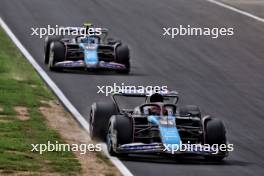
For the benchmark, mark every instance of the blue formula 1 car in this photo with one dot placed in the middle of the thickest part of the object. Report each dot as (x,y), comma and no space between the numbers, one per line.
(157,126)
(91,52)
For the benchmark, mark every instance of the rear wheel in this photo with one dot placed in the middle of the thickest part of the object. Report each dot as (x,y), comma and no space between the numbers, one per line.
(215,133)
(120,132)
(57,54)
(123,57)
(99,117)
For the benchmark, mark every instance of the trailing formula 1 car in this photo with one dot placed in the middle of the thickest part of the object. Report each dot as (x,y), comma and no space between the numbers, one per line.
(156,126)
(89,52)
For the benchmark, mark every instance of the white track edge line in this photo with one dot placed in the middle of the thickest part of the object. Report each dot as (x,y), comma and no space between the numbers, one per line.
(237,10)
(121,167)
(115,160)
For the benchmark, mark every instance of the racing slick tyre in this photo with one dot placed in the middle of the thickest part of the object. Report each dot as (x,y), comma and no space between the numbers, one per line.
(120,132)
(123,57)
(190,110)
(99,117)
(48,41)
(215,133)
(57,54)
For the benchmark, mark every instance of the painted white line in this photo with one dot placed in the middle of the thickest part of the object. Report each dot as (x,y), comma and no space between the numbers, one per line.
(115,160)
(237,10)
(121,167)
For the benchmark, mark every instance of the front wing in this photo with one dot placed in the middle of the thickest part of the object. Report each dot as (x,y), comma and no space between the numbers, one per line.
(159,148)
(81,64)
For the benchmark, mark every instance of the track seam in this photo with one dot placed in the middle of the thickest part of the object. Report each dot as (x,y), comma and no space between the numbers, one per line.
(121,167)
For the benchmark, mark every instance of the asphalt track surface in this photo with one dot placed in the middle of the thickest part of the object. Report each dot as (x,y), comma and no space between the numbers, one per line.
(223,76)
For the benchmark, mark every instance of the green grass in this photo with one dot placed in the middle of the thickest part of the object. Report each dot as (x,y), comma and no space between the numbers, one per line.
(20,85)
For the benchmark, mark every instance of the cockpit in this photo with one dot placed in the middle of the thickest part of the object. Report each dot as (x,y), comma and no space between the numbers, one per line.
(158,109)
(88,39)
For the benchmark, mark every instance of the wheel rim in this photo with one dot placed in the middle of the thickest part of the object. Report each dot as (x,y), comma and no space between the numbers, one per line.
(91,123)
(109,142)
(51,58)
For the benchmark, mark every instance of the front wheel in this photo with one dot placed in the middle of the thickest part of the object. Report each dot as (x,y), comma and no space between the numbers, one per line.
(215,133)
(123,57)
(48,41)
(57,54)
(120,132)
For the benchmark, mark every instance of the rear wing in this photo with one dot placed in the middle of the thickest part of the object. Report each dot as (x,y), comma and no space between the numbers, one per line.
(168,95)
(139,93)
(104,31)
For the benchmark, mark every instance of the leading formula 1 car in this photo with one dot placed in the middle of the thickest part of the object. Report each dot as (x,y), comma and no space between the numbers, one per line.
(154,126)
(86,52)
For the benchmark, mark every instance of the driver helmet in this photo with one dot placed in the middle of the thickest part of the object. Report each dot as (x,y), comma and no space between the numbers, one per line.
(156,97)
(87,39)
